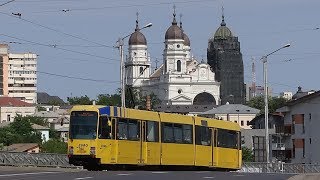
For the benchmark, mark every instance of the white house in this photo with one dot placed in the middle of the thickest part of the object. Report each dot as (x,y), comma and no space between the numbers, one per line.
(10,107)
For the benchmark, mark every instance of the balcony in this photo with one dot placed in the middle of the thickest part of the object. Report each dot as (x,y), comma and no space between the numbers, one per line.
(278,146)
(287,130)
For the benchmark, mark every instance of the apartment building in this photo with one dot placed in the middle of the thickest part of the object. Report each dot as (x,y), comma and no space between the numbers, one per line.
(4,69)
(19,75)
(301,127)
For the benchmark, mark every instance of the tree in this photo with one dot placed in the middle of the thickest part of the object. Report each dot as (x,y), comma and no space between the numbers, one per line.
(153,99)
(109,99)
(54,134)
(247,155)
(54,146)
(273,103)
(38,120)
(83,100)
(7,137)
(20,131)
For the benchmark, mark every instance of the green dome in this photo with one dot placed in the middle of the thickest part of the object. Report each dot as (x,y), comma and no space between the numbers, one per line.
(223,31)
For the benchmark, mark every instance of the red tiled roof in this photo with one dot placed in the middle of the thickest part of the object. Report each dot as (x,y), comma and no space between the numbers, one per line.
(13,102)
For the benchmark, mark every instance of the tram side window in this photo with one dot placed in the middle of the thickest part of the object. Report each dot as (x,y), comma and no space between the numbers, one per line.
(167,132)
(134,130)
(176,133)
(227,139)
(104,128)
(203,136)
(152,131)
(187,134)
(128,130)
(122,132)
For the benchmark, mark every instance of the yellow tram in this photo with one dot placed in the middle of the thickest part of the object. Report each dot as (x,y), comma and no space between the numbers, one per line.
(107,137)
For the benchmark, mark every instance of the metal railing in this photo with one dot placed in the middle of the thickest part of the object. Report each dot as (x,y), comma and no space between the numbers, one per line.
(260,167)
(61,160)
(34,159)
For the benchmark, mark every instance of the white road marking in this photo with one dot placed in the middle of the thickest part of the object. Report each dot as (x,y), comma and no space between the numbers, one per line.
(83,178)
(239,175)
(23,174)
(200,172)
(208,177)
(123,174)
(159,172)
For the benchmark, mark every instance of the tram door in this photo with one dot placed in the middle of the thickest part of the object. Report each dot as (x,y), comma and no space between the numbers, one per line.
(213,141)
(143,143)
(150,148)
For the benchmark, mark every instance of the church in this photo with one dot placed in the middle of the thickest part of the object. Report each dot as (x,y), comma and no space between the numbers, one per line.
(180,79)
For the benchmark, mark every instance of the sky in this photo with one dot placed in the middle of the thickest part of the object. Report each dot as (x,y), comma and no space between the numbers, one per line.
(75,39)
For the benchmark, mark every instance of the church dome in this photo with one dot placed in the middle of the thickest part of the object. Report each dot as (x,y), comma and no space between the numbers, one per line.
(174,31)
(223,31)
(137,38)
(184,36)
(186,40)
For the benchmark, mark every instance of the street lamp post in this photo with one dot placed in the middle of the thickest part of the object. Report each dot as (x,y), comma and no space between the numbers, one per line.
(122,69)
(266,110)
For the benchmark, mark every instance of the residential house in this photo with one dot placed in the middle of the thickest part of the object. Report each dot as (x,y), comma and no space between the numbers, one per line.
(23,147)
(301,126)
(10,107)
(255,138)
(63,133)
(43,130)
(237,113)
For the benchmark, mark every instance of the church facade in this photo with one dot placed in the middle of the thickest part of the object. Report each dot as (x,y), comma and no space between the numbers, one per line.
(180,79)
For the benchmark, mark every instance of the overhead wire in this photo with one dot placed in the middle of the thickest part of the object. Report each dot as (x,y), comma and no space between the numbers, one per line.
(56,47)
(55,30)
(123,6)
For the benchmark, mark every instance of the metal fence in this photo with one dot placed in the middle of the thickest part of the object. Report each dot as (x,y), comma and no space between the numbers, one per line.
(34,159)
(258,167)
(61,160)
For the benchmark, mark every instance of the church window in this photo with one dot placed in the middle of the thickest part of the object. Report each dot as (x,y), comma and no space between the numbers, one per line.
(179,66)
(141,70)
(179,91)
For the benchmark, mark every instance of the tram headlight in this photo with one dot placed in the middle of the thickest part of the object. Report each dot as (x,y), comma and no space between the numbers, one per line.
(71,150)
(92,151)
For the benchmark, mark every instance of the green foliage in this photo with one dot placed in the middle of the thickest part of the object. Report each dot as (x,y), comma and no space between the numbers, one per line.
(247,155)
(38,120)
(83,100)
(273,103)
(7,137)
(54,102)
(109,99)
(153,98)
(53,134)
(54,146)
(19,131)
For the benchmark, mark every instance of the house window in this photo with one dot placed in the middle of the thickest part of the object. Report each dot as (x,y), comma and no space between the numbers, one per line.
(242,123)
(179,66)
(293,124)
(303,148)
(8,118)
(309,116)
(310,140)
(293,149)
